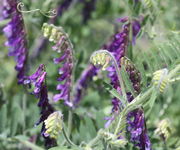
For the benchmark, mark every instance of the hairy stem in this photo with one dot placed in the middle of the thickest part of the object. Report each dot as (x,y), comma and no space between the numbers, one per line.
(137,102)
(67,138)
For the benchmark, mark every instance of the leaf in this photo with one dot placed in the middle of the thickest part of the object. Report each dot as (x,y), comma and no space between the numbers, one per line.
(114,92)
(151,102)
(100,119)
(16,113)
(90,127)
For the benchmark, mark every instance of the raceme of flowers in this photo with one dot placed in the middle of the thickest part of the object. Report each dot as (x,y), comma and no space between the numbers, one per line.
(16,42)
(38,83)
(64,47)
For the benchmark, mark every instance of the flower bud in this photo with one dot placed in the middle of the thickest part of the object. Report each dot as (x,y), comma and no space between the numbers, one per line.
(53,124)
(100,59)
(160,79)
(164,129)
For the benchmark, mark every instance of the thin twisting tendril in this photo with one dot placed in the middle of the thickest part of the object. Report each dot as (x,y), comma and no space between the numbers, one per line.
(49,14)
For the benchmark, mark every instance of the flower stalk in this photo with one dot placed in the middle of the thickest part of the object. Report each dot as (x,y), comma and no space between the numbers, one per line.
(116,68)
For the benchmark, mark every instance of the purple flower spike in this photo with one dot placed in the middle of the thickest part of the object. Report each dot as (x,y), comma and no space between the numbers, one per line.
(137,129)
(64,47)
(65,73)
(16,42)
(38,81)
(118,48)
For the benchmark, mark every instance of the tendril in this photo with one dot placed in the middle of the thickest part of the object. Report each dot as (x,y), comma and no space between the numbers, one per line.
(49,14)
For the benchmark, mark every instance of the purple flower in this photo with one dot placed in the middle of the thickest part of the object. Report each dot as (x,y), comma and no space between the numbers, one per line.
(136,26)
(65,72)
(38,81)
(118,47)
(16,42)
(137,129)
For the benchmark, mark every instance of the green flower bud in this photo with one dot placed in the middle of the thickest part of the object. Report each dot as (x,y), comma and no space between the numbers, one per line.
(160,79)
(100,59)
(54,124)
(164,129)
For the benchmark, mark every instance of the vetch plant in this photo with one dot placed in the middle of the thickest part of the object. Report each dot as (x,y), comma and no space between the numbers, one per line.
(122,96)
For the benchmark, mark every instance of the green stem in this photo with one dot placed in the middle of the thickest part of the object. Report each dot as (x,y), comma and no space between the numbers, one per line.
(24,99)
(174,71)
(67,138)
(70,114)
(117,71)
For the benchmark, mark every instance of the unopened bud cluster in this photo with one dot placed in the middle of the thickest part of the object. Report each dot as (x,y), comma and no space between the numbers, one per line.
(164,129)
(160,79)
(56,35)
(101,59)
(54,124)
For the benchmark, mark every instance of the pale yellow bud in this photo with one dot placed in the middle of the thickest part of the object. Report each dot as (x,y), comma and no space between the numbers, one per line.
(54,124)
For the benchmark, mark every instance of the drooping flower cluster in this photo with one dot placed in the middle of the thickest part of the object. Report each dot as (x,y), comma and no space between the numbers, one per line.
(134,74)
(64,47)
(38,82)
(15,33)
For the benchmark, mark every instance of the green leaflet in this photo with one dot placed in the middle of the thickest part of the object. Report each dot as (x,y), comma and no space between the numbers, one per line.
(151,101)
(16,113)
(114,92)
(87,130)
